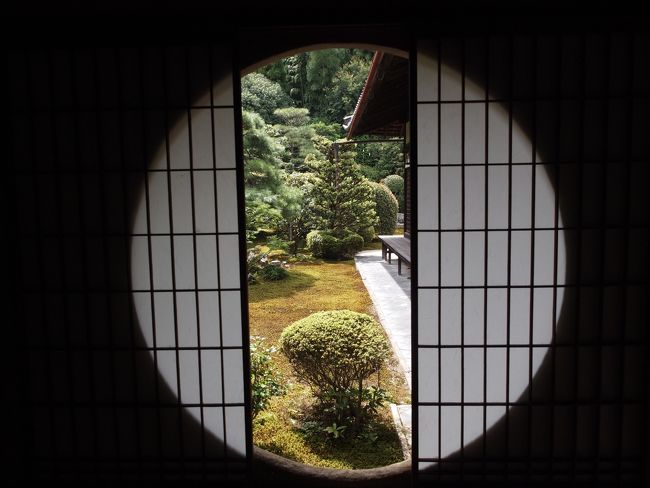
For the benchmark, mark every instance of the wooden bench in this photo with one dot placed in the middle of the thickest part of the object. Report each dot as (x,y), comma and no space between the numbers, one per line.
(398,245)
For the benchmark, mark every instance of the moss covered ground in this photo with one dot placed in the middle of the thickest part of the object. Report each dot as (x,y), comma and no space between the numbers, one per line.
(312,287)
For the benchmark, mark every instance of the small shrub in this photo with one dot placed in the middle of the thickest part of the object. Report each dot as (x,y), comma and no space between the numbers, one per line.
(273,273)
(263,234)
(335,431)
(323,244)
(395,184)
(368,234)
(352,244)
(386,208)
(259,265)
(278,254)
(266,382)
(335,352)
(353,403)
(301,258)
(277,244)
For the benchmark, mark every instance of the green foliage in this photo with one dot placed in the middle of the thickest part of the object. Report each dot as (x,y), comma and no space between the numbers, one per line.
(297,223)
(352,244)
(266,382)
(256,260)
(345,88)
(335,352)
(257,142)
(298,143)
(273,272)
(353,406)
(270,203)
(386,206)
(276,243)
(293,184)
(292,116)
(396,185)
(327,81)
(332,131)
(323,244)
(296,77)
(263,96)
(321,68)
(259,265)
(368,234)
(261,215)
(341,201)
(379,160)
(276,72)
(278,254)
(336,431)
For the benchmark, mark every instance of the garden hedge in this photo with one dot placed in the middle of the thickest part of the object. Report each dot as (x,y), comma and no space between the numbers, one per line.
(335,350)
(386,208)
(323,244)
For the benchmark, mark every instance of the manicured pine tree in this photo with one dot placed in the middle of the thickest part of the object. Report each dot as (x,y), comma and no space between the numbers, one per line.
(342,198)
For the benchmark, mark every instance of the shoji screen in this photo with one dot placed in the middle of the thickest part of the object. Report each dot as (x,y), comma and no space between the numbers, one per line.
(532,268)
(126,175)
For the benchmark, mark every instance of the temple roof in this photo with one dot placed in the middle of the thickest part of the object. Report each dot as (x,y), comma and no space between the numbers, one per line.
(382,108)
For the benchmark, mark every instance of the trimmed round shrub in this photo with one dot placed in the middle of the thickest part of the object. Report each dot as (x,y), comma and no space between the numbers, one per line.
(323,244)
(386,208)
(395,183)
(368,234)
(273,273)
(335,350)
(352,244)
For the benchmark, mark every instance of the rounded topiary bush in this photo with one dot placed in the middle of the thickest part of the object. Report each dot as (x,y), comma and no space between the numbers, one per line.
(274,273)
(352,244)
(395,183)
(368,234)
(335,350)
(386,208)
(323,244)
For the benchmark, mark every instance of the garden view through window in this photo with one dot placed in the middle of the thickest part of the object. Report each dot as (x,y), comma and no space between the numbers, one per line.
(328,252)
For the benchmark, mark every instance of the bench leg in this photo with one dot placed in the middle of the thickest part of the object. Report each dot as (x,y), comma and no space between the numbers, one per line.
(399,265)
(389,257)
(383,251)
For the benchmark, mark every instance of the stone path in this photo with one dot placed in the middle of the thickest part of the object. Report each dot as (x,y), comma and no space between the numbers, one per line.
(391,297)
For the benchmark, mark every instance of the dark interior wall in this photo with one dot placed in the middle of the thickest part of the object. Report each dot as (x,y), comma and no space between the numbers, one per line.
(79,384)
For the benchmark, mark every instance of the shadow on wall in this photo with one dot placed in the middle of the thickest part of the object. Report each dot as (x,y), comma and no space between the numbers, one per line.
(95,396)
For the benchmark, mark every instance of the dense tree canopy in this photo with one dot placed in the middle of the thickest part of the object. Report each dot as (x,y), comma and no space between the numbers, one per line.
(293,112)
(262,96)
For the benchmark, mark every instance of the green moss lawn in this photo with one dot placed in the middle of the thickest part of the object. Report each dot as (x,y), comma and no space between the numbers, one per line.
(309,288)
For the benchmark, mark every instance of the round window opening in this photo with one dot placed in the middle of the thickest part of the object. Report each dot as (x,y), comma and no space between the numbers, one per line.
(186,266)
